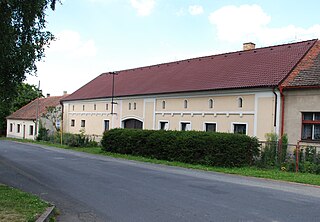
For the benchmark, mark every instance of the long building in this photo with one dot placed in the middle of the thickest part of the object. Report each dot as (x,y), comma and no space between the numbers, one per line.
(245,92)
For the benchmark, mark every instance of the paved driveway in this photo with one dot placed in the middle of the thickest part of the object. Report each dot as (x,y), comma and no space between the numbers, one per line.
(93,188)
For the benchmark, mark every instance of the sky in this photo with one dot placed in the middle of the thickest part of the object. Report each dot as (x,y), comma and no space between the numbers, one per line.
(97,36)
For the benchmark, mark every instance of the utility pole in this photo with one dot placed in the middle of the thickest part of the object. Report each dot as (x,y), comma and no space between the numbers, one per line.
(112,95)
(37,113)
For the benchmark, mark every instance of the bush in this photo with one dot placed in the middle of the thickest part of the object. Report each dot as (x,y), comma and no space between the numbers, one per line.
(207,148)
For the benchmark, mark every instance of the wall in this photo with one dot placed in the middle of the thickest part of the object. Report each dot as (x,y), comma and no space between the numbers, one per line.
(257,112)
(24,133)
(296,102)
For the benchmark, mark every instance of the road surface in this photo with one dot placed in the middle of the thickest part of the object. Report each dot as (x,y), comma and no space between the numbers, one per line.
(95,188)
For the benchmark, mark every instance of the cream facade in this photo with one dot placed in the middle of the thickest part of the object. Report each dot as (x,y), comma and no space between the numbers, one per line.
(245,111)
(302,115)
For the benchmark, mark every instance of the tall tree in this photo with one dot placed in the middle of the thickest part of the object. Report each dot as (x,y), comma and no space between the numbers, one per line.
(25,94)
(22,41)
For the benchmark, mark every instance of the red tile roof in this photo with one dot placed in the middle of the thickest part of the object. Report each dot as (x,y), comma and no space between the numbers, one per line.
(307,72)
(263,67)
(28,112)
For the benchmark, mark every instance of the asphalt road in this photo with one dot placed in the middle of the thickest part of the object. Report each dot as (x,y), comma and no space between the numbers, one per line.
(93,188)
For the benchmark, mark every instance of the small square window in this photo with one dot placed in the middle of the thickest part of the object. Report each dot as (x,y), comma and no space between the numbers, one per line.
(211,127)
(240,128)
(73,122)
(83,123)
(164,125)
(185,126)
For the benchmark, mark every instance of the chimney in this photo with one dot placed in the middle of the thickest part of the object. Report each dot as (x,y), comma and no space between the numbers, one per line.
(48,95)
(65,93)
(249,46)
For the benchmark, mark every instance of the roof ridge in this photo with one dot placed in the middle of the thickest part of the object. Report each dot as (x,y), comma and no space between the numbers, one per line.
(209,56)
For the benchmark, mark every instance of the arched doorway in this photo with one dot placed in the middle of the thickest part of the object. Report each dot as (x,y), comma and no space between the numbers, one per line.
(132,124)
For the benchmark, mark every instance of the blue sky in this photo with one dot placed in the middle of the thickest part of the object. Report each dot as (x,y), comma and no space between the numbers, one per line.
(96,36)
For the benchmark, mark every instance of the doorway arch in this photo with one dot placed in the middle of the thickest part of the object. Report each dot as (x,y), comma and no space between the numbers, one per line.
(132,124)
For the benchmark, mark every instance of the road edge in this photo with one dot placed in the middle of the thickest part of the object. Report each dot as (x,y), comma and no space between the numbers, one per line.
(45,217)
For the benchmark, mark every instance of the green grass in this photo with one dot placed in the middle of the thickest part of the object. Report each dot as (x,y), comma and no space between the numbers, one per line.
(273,174)
(16,205)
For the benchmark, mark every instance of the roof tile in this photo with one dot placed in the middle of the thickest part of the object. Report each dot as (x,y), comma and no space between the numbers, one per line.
(263,67)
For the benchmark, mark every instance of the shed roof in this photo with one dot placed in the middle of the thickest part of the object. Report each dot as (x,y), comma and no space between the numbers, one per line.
(262,67)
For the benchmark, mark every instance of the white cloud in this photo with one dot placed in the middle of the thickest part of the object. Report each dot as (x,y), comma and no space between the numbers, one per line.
(70,62)
(195,9)
(250,23)
(70,44)
(143,7)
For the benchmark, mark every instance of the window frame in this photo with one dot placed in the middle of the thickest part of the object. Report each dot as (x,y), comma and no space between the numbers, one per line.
(239,123)
(312,122)
(211,103)
(31,129)
(185,122)
(83,123)
(18,128)
(240,102)
(205,126)
(163,121)
(163,104)
(104,125)
(185,104)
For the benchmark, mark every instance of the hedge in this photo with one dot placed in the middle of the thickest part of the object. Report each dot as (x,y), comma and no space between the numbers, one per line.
(206,148)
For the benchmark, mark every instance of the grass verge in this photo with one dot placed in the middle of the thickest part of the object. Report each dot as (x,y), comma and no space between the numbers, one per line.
(274,174)
(16,205)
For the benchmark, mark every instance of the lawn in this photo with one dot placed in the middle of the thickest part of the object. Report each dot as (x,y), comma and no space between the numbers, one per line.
(16,205)
(274,174)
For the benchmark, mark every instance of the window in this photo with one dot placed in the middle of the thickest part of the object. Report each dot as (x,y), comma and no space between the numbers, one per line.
(164,125)
(240,102)
(129,106)
(163,104)
(83,123)
(185,104)
(185,126)
(95,107)
(211,103)
(73,122)
(107,106)
(240,128)
(134,106)
(11,127)
(106,125)
(310,126)
(83,107)
(18,128)
(31,130)
(211,127)
(72,107)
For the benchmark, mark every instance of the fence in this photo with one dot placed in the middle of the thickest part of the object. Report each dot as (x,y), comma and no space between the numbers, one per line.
(277,154)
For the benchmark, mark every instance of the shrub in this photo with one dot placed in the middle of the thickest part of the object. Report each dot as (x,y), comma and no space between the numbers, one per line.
(207,148)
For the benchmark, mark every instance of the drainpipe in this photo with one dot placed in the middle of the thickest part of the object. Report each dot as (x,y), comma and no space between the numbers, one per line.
(61,122)
(275,107)
(282,120)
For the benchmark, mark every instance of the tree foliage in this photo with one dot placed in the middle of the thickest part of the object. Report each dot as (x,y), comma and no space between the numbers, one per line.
(25,94)
(22,41)
(54,115)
